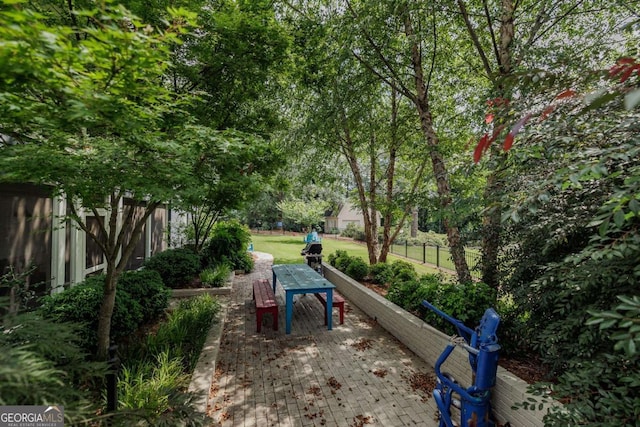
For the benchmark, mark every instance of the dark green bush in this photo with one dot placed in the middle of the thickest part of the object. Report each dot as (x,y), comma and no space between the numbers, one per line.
(228,244)
(177,267)
(334,256)
(146,287)
(354,267)
(357,268)
(343,262)
(402,271)
(409,294)
(381,273)
(465,302)
(81,304)
(140,298)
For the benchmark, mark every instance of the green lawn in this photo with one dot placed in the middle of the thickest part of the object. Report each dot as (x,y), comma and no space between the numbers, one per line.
(286,249)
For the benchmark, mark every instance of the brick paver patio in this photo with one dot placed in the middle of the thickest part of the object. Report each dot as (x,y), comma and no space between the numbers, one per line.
(355,375)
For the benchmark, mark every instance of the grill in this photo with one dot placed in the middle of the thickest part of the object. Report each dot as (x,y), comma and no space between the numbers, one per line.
(313,255)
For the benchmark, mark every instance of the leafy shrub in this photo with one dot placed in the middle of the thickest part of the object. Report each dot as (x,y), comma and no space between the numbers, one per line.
(147,288)
(177,267)
(228,244)
(402,271)
(354,267)
(360,235)
(465,302)
(43,361)
(80,304)
(409,294)
(381,273)
(334,256)
(353,231)
(340,259)
(215,277)
(343,262)
(513,328)
(357,268)
(244,262)
(349,230)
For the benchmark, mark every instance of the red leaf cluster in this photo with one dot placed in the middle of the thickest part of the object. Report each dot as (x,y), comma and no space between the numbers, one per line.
(485,143)
(498,102)
(624,68)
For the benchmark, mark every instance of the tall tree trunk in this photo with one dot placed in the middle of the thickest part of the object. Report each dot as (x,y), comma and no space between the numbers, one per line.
(371,232)
(492,221)
(106,311)
(390,179)
(437,162)
(414,222)
(117,258)
(347,150)
(395,142)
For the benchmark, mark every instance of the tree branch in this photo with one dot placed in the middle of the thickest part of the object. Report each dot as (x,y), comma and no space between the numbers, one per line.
(494,42)
(556,21)
(435,47)
(83,227)
(397,83)
(540,18)
(127,220)
(135,236)
(475,40)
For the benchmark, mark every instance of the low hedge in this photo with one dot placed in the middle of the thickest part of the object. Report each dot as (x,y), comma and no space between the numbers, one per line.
(354,267)
(140,297)
(177,267)
(466,302)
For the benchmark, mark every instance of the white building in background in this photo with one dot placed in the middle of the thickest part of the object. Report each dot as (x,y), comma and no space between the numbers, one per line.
(346,214)
(33,231)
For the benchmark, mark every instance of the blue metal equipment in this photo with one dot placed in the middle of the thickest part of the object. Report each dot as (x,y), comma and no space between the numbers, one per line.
(474,402)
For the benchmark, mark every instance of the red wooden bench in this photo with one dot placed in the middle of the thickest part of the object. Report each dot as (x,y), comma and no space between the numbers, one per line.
(338,301)
(265,301)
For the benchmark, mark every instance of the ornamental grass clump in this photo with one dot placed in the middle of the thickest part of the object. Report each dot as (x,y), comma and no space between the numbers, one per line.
(215,277)
(156,372)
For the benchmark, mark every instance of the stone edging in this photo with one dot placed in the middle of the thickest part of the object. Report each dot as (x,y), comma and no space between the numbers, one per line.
(183,293)
(204,371)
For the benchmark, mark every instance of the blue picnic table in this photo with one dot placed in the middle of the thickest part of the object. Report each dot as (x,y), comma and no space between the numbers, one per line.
(301,279)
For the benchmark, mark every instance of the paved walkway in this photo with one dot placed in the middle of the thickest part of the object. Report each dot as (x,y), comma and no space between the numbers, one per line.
(355,375)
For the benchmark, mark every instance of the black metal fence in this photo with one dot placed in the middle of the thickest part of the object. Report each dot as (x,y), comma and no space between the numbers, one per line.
(438,256)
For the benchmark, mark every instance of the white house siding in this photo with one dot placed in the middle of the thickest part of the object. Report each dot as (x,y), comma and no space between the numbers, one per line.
(348,214)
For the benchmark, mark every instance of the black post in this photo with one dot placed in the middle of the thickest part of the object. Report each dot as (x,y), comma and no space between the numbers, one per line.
(112,378)
(406,249)
(437,256)
(424,253)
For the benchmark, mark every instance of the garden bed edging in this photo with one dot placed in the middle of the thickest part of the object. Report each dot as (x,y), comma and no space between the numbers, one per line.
(428,343)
